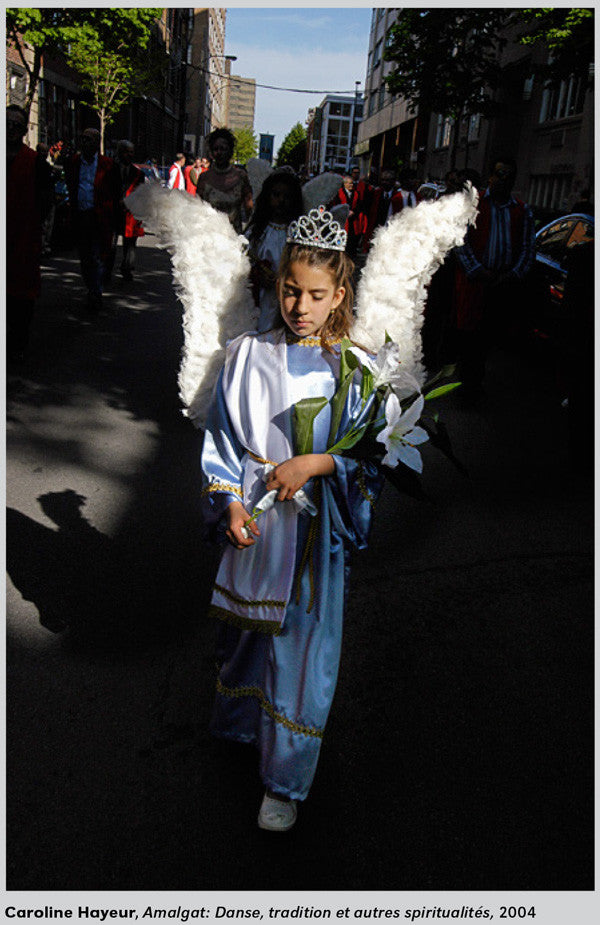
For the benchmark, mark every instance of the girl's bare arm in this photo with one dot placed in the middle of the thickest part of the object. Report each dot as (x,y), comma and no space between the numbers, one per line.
(291,475)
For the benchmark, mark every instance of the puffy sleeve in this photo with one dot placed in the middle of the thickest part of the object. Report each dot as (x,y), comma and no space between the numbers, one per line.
(222,453)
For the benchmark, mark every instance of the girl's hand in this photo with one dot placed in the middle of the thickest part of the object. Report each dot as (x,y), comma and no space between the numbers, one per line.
(237,517)
(291,475)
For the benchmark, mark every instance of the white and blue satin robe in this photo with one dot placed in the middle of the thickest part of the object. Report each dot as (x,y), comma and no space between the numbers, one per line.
(281,600)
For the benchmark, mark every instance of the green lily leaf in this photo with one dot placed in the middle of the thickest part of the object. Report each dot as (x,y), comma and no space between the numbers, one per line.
(348,361)
(442,390)
(438,437)
(338,403)
(350,439)
(406,481)
(366,385)
(305,412)
(408,401)
(446,372)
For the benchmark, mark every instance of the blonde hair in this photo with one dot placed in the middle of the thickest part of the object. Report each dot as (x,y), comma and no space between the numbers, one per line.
(341,268)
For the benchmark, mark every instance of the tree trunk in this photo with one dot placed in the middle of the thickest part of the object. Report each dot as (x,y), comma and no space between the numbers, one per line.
(102,127)
(34,76)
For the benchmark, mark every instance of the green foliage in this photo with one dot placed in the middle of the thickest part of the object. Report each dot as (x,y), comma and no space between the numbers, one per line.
(43,30)
(106,49)
(447,59)
(304,414)
(107,46)
(569,36)
(292,151)
(246,145)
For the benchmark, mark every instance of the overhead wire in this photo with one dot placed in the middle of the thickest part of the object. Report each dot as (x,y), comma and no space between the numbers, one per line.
(197,67)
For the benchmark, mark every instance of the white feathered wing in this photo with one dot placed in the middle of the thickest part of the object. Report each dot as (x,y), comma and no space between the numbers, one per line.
(404,255)
(211,276)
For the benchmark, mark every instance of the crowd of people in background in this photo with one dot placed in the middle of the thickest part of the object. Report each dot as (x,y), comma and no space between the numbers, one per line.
(475,299)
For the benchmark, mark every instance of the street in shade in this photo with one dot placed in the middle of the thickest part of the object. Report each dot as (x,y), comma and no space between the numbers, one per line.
(458,754)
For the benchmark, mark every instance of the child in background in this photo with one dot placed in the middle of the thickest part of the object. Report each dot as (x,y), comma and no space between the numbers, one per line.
(278,203)
(282,580)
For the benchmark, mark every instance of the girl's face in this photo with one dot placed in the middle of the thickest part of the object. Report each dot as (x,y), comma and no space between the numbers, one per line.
(280,202)
(308,297)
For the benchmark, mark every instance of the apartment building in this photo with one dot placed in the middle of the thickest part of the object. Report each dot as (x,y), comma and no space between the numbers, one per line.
(332,133)
(206,96)
(240,100)
(549,132)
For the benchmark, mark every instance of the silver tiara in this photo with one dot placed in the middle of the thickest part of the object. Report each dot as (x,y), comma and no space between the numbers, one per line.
(317,229)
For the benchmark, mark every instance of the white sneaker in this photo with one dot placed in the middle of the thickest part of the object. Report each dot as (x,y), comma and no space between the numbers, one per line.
(277,815)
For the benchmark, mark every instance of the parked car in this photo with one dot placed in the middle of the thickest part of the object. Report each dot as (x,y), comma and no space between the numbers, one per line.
(554,246)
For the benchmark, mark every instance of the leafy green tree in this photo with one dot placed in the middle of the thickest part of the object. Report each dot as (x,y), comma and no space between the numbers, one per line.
(447,60)
(568,33)
(292,151)
(107,46)
(109,52)
(246,144)
(44,31)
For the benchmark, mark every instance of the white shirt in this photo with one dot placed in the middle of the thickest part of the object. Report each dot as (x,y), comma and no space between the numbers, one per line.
(176,180)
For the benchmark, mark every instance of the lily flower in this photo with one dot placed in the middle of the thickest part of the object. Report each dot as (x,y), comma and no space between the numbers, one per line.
(401,434)
(388,371)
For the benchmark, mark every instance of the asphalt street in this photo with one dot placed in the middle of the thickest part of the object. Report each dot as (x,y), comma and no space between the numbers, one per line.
(458,755)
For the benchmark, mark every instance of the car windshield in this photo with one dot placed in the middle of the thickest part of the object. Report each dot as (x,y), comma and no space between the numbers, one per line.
(552,241)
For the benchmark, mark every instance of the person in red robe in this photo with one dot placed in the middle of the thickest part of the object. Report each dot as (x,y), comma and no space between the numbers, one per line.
(491,268)
(385,201)
(127,227)
(28,202)
(356,222)
(94,184)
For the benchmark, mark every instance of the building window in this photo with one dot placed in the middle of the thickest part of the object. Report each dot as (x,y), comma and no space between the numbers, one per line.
(474,127)
(377,54)
(381,97)
(547,191)
(443,132)
(372,103)
(566,99)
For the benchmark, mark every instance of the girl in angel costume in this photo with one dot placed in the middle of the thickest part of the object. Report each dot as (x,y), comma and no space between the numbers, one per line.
(281,584)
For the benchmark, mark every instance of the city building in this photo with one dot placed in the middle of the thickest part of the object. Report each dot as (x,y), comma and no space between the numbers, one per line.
(206,102)
(550,133)
(240,97)
(391,135)
(56,110)
(155,122)
(332,133)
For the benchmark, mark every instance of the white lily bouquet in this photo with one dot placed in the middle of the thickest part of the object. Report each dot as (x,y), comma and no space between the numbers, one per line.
(394,423)
(390,430)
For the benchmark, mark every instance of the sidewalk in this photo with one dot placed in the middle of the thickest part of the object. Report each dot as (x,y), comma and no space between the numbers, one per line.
(458,752)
